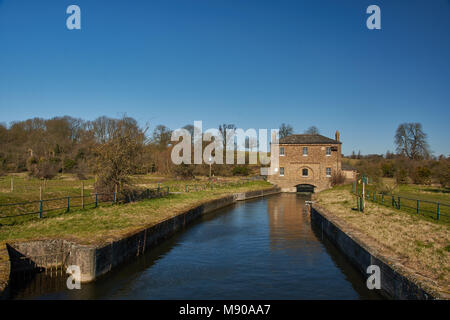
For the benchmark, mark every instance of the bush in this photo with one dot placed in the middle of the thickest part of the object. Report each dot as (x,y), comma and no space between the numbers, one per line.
(241,171)
(388,169)
(184,171)
(337,178)
(401,176)
(421,175)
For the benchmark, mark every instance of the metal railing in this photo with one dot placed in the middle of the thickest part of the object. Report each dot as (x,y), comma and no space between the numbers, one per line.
(42,208)
(433,209)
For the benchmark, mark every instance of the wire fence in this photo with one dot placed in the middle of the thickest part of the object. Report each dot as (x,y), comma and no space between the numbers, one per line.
(47,207)
(432,209)
(11,213)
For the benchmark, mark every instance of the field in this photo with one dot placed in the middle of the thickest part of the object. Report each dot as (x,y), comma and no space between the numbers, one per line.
(109,221)
(423,200)
(420,244)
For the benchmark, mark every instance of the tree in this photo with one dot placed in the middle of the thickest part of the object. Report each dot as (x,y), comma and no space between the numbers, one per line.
(162,136)
(118,156)
(411,141)
(285,130)
(223,130)
(312,130)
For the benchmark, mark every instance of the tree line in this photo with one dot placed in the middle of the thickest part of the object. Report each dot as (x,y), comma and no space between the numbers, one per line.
(412,162)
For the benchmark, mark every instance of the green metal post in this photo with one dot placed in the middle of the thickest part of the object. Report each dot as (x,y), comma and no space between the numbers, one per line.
(438,211)
(393,202)
(68,204)
(185,188)
(361,208)
(96,200)
(417,209)
(399,203)
(115,198)
(382,198)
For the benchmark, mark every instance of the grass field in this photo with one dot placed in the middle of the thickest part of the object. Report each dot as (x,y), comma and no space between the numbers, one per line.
(111,221)
(22,203)
(421,245)
(422,199)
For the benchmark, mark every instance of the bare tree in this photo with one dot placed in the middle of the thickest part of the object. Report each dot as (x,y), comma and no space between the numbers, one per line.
(312,130)
(161,136)
(223,130)
(411,141)
(285,130)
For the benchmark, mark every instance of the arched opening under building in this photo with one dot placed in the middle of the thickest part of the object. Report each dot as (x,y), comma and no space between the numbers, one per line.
(305,188)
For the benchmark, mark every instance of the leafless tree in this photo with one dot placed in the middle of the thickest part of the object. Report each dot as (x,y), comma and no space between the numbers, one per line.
(312,130)
(285,130)
(411,141)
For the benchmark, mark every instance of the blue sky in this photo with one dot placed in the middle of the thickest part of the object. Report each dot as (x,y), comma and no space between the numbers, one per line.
(256,64)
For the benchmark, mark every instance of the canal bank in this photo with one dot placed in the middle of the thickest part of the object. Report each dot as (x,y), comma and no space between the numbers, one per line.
(4,270)
(263,248)
(97,260)
(396,281)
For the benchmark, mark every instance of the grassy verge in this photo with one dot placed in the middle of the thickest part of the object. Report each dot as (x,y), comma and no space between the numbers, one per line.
(421,245)
(111,222)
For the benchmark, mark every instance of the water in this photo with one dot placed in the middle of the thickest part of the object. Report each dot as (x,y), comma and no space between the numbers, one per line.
(257,249)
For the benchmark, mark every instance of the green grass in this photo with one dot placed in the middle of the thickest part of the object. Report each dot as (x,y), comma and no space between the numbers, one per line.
(112,221)
(428,197)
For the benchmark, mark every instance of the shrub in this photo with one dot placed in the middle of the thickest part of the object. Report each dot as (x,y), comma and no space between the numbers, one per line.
(184,171)
(401,176)
(337,178)
(241,171)
(421,175)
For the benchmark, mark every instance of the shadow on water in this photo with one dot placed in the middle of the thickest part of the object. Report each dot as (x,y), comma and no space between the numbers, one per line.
(258,249)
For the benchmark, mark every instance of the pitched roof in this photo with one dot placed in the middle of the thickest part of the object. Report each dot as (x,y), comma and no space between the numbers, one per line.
(307,139)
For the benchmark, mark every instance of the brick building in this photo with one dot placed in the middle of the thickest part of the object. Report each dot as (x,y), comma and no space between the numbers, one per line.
(306,162)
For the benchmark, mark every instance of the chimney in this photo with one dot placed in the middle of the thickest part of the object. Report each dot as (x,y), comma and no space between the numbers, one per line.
(337,136)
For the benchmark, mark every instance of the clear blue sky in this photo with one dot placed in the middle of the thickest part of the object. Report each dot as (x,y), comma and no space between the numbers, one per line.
(252,63)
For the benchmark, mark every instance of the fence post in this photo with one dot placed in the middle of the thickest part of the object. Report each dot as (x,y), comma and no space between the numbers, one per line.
(115,193)
(12,183)
(398,203)
(40,208)
(438,210)
(417,209)
(393,202)
(68,204)
(82,194)
(382,198)
(96,200)
(185,188)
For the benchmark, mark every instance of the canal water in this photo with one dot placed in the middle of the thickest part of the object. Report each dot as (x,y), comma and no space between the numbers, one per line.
(257,249)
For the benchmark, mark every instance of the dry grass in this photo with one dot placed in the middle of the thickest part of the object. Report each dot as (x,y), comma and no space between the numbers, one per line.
(419,245)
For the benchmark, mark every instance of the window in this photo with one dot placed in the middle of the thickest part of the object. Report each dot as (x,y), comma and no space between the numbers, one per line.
(305,172)
(328,153)
(305,151)
(281,171)
(281,151)
(328,172)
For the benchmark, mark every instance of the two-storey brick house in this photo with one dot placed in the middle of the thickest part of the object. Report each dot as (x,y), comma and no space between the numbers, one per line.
(306,161)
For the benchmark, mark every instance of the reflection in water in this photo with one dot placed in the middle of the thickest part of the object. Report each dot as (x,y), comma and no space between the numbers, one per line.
(258,249)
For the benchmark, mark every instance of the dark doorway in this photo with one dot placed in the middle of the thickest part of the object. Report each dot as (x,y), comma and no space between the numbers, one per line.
(305,188)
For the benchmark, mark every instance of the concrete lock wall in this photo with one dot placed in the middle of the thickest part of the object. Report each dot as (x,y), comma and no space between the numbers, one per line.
(394,283)
(95,261)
